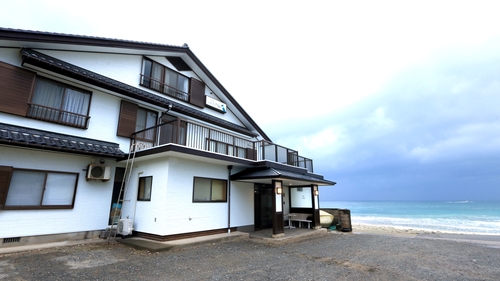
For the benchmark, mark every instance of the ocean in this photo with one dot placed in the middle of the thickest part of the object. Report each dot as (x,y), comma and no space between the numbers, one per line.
(480,217)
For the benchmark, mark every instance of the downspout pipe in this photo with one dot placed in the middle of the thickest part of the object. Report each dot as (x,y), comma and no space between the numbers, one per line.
(229,168)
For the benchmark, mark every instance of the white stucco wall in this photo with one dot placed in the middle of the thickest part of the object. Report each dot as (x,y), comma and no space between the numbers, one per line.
(92,201)
(172,210)
(242,204)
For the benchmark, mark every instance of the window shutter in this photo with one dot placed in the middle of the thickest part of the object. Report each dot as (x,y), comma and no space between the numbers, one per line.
(5,175)
(127,119)
(16,85)
(197,93)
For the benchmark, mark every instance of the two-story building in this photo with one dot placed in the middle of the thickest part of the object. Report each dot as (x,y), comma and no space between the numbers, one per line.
(94,130)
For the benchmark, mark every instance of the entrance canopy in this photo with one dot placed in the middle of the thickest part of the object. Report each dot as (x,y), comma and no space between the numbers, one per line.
(289,177)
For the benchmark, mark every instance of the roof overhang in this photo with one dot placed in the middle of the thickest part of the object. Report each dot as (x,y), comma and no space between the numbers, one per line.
(289,177)
(45,140)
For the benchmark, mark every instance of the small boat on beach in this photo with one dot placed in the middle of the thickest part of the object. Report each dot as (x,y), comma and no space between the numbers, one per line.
(325,219)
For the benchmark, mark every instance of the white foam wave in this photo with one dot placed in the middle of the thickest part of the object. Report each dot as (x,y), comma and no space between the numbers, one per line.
(434,224)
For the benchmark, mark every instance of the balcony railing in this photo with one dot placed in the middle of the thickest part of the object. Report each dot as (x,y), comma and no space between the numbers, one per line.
(163,88)
(200,137)
(59,116)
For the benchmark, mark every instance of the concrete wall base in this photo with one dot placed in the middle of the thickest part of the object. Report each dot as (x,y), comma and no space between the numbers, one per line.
(42,239)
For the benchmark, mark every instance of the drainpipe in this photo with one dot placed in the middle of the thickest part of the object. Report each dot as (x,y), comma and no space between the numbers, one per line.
(229,168)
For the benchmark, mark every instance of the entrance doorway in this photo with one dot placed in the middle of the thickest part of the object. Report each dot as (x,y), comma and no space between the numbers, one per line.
(263,209)
(114,216)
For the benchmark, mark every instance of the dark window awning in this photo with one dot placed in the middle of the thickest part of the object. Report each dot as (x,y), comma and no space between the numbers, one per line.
(289,177)
(34,138)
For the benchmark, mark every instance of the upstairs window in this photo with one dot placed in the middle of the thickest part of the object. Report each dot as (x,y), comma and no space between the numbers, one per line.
(59,103)
(164,80)
(146,119)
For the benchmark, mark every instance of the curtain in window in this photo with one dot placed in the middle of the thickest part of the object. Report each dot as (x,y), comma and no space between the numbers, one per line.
(182,83)
(202,189)
(146,119)
(145,185)
(49,94)
(171,81)
(218,190)
(75,102)
(147,73)
(150,122)
(156,75)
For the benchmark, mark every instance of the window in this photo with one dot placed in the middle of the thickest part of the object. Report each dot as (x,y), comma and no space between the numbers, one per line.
(59,103)
(145,185)
(164,80)
(209,190)
(146,119)
(33,189)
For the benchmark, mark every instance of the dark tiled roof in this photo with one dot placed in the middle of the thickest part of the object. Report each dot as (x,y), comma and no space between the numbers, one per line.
(270,172)
(23,136)
(87,76)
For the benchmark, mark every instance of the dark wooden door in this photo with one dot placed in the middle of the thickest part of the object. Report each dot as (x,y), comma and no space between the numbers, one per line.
(263,201)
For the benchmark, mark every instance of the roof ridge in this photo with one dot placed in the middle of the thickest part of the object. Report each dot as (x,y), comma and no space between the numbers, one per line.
(184,45)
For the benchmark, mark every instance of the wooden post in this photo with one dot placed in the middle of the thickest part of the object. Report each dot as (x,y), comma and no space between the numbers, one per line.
(278,223)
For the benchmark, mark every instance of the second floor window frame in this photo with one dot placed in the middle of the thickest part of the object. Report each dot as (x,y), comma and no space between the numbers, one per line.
(165,80)
(60,103)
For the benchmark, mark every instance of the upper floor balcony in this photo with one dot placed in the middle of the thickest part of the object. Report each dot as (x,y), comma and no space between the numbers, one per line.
(195,136)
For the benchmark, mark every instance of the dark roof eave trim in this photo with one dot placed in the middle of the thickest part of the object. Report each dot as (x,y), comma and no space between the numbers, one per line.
(61,149)
(191,151)
(60,67)
(275,173)
(319,182)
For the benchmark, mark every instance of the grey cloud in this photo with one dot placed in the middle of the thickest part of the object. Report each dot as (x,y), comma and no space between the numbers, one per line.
(434,127)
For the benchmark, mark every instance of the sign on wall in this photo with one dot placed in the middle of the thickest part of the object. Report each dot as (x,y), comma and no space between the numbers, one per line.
(215,104)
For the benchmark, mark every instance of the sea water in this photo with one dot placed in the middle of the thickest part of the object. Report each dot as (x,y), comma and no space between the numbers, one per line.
(481,217)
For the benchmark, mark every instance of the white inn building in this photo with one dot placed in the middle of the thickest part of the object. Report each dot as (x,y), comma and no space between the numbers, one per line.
(96,130)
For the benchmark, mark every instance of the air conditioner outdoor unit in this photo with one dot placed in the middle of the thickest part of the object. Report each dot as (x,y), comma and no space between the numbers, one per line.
(125,227)
(98,172)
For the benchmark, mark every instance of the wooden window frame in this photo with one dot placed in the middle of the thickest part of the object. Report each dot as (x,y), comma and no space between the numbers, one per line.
(8,172)
(211,190)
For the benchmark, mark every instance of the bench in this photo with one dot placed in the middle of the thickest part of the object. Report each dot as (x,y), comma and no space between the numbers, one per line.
(299,217)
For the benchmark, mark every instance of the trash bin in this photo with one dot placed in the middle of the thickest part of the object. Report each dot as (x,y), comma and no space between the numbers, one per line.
(344,220)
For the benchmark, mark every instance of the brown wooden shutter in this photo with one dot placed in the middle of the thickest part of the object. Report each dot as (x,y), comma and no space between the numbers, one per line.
(197,93)
(5,176)
(127,119)
(16,85)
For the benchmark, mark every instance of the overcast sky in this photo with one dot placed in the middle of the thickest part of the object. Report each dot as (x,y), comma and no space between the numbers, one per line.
(393,100)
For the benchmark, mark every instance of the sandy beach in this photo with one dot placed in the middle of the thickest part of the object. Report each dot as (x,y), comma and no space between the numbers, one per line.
(490,240)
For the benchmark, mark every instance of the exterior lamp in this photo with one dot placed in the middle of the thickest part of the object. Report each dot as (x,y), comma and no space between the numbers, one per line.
(279,189)
(316,192)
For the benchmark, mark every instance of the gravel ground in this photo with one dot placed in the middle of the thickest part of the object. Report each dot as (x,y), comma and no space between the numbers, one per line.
(329,256)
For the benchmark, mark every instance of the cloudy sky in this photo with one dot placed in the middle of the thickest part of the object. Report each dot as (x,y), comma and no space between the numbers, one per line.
(394,100)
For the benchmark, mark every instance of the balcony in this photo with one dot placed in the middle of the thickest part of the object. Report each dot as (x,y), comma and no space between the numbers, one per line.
(199,137)
(163,88)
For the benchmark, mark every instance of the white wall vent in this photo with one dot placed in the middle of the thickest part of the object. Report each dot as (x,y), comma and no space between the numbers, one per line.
(98,172)
(125,227)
